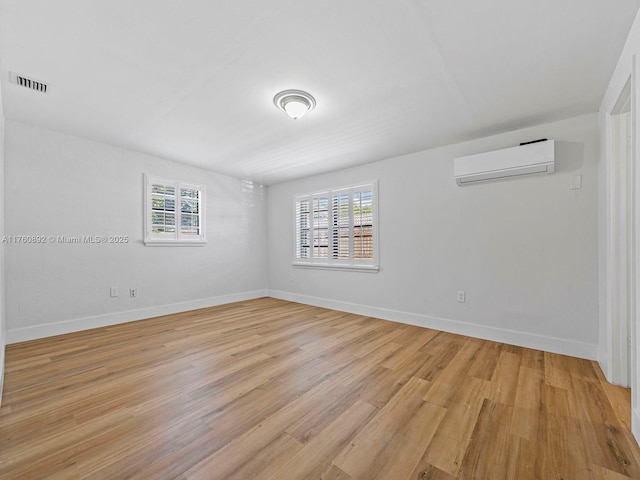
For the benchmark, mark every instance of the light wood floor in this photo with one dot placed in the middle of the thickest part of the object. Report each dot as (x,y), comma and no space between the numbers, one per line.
(268,389)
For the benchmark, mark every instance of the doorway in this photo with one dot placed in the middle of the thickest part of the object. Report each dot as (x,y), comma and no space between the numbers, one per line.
(623,275)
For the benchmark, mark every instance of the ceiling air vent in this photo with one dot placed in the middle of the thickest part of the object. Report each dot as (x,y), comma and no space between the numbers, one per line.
(27,82)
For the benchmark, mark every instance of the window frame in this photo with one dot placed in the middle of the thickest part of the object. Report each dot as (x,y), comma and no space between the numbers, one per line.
(329,262)
(173,239)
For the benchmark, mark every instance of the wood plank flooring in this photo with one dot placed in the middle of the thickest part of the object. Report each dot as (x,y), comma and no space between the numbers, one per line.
(273,390)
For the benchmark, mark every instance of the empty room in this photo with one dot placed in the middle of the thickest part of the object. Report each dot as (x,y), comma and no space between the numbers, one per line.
(279,240)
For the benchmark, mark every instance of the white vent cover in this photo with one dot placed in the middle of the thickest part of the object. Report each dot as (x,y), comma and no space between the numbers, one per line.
(27,82)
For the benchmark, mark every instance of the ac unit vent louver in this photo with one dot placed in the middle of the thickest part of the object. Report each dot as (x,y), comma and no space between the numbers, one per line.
(27,82)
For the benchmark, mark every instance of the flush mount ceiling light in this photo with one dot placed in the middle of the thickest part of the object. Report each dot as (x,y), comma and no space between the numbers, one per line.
(294,103)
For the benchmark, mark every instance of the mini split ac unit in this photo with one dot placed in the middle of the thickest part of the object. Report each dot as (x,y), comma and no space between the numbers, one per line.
(525,159)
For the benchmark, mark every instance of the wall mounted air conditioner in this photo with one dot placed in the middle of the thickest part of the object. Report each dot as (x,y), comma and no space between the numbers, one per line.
(528,159)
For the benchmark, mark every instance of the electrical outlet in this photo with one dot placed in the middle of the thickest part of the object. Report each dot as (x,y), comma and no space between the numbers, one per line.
(133,292)
(462,297)
(114,292)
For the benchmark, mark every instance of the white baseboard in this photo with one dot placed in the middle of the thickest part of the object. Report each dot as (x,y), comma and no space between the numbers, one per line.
(605,366)
(68,326)
(512,337)
(635,424)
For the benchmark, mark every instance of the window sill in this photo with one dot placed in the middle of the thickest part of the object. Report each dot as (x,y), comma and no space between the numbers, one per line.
(330,266)
(174,243)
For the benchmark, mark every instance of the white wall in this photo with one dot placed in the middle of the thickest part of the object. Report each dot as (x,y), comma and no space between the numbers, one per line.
(2,268)
(629,57)
(57,184)
(524,250)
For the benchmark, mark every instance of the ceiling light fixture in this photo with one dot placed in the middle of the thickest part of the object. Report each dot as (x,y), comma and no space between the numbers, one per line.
(294,103)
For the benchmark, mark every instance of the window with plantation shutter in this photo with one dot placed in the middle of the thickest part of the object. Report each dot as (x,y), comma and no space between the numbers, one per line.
(174,212)
(337,228)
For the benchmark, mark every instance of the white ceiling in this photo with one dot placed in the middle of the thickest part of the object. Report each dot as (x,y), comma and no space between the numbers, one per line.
(194,81)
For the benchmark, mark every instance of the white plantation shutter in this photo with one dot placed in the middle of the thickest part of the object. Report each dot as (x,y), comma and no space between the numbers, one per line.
(320,227)
(337,228)
(163,208)
(363,224)
(174,212)
(341,221)
(303,227)
(190,199)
